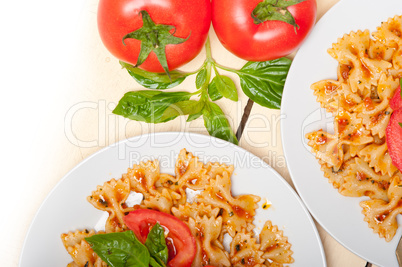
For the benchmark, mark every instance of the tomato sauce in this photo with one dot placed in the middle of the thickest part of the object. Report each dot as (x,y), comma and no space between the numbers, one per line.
(140,176)
(343,122)
(241,212)
(344,70)
(383,185)
(368,103)
(330,88)
(321,139)
(380,218)
(361,176)
(365,69)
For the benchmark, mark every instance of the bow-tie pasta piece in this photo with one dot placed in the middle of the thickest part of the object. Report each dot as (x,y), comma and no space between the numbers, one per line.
(350,130)
(350,47)
(378,158)
(215,168)
(111,197)
(378,50)
(275,246)
(389,33)
(336,178)
(245,251)
(348,100)
(182,162)
(326,92)
(79,249)
(327,148)
(361,180)
(191,172)
(186,211)
(349,50)
(375,110)
(381,215)
(161,201)
(237,212)
(210,250)
(143,177)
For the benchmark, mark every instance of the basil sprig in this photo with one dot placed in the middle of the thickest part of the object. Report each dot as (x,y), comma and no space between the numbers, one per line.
(152,80)
(124,249)
(224,86)
(149,105)
(262,82)
(216,123)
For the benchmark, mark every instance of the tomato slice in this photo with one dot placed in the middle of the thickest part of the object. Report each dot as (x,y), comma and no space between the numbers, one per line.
(396,100)
(180,242)
(394,138)
(394,130)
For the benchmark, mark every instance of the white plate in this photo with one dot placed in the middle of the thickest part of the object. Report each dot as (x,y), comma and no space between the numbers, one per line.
(66,208)
(340,216)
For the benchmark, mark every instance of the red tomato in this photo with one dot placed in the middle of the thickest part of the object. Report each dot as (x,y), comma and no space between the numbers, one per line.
(192,18)
(183,249)
(394,130)
(396,100)
(394,138)
(235,28)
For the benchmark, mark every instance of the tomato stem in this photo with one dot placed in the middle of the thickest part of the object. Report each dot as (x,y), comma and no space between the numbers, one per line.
(204,88)
(225,68)
(210,62)
(154,38)
(269,10)
(208,49)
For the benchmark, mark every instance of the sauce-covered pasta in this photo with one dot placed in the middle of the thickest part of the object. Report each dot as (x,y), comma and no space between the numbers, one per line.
(212,214)
(355,157)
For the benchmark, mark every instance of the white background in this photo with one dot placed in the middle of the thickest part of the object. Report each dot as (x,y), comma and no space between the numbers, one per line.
(38,48)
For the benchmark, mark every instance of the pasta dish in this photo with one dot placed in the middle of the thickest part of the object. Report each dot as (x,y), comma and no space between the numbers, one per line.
(355,157)
(214,214)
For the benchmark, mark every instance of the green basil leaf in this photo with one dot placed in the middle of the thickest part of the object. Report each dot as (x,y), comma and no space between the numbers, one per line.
(148,106)
(263,82)
(400,124)
(120,249)
(195,116)
(152,80)
(225,86)
(213,91)
(155,263)
(217,124)
(156,244)
(200,78)
(183,108)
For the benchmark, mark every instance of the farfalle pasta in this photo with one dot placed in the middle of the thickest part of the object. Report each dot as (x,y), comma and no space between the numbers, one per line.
(80,250)
(212,214)
(355,156)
